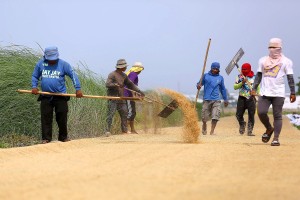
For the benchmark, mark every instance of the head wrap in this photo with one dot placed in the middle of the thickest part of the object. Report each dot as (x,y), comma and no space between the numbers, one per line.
(51,53)
(275,53)
(137,67)
(246,70)
(215,65)
(275,43)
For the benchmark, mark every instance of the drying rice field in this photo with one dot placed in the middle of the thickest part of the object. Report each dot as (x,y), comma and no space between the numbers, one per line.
(156,166)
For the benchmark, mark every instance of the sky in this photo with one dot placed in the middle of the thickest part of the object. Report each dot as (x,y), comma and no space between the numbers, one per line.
(169,37)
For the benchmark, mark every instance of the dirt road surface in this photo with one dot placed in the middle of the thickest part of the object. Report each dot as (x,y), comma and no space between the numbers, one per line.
(156,166)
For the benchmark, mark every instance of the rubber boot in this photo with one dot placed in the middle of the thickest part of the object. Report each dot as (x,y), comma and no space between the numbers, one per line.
(131,123)
(250,129)
(242,128)
(213,126)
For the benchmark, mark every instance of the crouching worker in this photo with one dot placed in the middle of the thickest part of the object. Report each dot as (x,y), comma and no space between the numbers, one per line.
(213,84)
(51,70)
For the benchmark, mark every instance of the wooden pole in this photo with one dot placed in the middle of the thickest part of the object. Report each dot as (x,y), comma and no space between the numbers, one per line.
(84,96)
(203,70)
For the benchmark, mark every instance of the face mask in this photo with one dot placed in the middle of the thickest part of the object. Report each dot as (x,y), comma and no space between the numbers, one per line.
(275,52)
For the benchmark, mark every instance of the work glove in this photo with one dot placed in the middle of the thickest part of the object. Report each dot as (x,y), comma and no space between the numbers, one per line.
(226,103)
(79,94)
(34,91)
(292,98)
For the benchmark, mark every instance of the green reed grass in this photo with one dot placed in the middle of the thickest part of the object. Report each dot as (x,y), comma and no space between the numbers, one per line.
(20,113)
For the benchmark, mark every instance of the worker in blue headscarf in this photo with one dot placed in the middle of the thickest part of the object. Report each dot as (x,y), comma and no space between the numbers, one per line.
(213,84)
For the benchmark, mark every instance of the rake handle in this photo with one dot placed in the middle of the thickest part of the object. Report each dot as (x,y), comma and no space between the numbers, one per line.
(84,96)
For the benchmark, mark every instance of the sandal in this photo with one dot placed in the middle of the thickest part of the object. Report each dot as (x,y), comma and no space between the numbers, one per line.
(275,143)
(266,137)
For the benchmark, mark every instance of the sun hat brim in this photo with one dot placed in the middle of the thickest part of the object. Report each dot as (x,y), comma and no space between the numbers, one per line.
(121,66)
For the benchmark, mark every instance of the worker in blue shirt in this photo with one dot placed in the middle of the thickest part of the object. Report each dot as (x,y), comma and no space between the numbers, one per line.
(51,72)
(213,84)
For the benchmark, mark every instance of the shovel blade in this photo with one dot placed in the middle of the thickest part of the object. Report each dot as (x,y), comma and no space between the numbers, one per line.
(234,61)
(169,109)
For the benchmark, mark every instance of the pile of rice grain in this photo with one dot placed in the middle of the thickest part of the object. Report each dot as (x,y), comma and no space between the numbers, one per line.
(191,129)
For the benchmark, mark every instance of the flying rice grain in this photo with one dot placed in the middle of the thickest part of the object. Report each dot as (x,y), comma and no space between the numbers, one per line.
(191,127)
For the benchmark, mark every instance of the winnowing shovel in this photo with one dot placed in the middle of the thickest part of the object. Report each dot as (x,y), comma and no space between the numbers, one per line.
(168,109)
(234,61)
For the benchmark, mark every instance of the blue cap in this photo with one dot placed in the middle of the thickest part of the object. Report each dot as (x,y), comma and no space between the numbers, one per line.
(215,65)
(51,53)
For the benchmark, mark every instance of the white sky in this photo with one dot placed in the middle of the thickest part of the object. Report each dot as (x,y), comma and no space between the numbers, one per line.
(168,36)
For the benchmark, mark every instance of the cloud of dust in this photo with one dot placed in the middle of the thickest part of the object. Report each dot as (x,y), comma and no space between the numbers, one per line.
(191,129)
